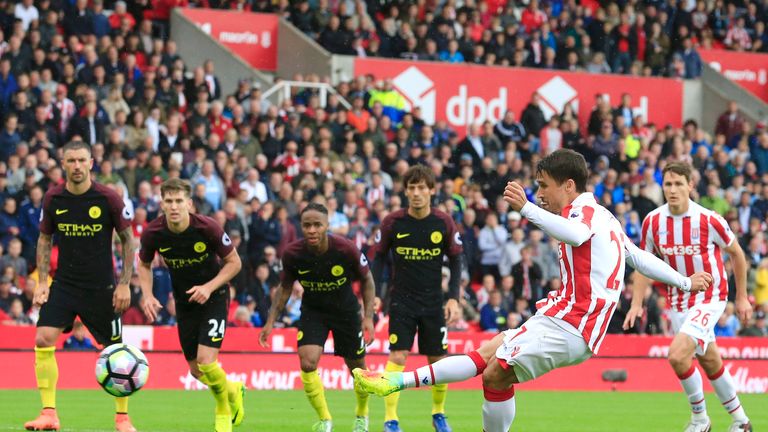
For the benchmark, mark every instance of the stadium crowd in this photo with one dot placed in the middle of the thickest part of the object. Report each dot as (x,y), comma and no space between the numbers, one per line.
(74,72)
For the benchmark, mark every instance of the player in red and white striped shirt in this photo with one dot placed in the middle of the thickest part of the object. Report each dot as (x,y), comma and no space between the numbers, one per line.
(570,324)
(691,238)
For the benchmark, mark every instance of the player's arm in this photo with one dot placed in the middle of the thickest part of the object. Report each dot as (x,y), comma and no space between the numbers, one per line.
(640,282)
(149,304)
(569,231)
(122,298)
(655,268)
(284,293)
(380,250)
(368,290)
(452,309)
(44,247)
(743,307)
(230,269)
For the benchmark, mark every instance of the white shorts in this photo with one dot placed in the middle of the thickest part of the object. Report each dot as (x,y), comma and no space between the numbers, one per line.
(699,322)
(539,346)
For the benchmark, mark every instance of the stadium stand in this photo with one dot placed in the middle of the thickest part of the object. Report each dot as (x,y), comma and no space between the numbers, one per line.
(105,73)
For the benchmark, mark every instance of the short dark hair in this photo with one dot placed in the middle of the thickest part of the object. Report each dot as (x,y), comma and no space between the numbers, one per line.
(564,164)
(176,185)
(76,145)
(313,206)
(679,168)
(418,174)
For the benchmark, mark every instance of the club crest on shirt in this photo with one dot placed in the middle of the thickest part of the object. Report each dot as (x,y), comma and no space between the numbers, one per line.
(94,212)
(363,260)
(337,270)
(200,247)
(436,237)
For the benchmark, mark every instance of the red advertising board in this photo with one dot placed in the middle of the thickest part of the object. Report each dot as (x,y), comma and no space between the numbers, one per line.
(241,340)
(749,70)
(270,371)
(252,36)
(467,94)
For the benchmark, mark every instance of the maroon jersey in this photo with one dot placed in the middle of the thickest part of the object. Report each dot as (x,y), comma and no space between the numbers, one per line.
(82,226)
(327,278)
(418,247)
(192,256)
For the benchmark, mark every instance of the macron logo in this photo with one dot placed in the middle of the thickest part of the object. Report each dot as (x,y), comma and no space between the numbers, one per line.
(419,91)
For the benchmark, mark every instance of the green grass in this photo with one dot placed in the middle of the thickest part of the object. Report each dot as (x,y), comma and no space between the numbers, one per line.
(288,411)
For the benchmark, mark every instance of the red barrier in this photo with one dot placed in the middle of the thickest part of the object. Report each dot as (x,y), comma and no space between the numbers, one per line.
(252,36)
(749,70)
(281,372)
(284,340)
(466,94)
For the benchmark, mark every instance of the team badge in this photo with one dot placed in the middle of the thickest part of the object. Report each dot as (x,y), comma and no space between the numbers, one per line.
(436,237)
(299,335)
(225,240)
(200,247)
(363,260)
(127,213)
(337,270)
(457,238)
(94,212)
(392,339)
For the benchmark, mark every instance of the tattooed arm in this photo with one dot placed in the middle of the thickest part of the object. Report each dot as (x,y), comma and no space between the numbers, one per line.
(44,246)
(122,298)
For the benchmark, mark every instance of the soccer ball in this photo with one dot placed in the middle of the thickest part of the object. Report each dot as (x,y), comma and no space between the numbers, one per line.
(122,369)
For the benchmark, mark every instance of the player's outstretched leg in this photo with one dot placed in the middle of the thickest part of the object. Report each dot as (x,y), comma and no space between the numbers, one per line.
(122,421)
(47,374)
(448,370)
(499,398)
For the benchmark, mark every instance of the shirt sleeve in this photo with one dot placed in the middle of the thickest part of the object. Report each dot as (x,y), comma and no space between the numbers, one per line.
(46,215)
(723,236)
(122,215)
(148,248)
(383,239)
(646,236)
(651,266)
(453,244)
(221,241)
(288,274)
(573,230)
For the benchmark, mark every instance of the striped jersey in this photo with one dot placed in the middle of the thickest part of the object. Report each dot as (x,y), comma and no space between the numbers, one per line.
(690,243)
(592,274)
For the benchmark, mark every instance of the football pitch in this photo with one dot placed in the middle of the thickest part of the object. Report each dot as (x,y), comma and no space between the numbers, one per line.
(288,411)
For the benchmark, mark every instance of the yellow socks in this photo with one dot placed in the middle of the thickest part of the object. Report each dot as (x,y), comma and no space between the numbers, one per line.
(390,402)
(216,380)
(439,392)
(361,403)
(47,373)
(231,390)
(121,405)
(313,387)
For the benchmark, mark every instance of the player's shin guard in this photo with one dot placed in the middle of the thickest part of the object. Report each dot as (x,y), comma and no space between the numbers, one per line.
(361,403)
(390,402)
(47,373)
(722,382)
(313,387)
(448,370)
(498,409)
(121,405)
(692,384)
(216,379)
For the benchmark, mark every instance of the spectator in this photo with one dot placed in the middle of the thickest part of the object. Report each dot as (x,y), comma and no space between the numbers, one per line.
(79,341)
(527,276)
(491,243)
(493,317)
